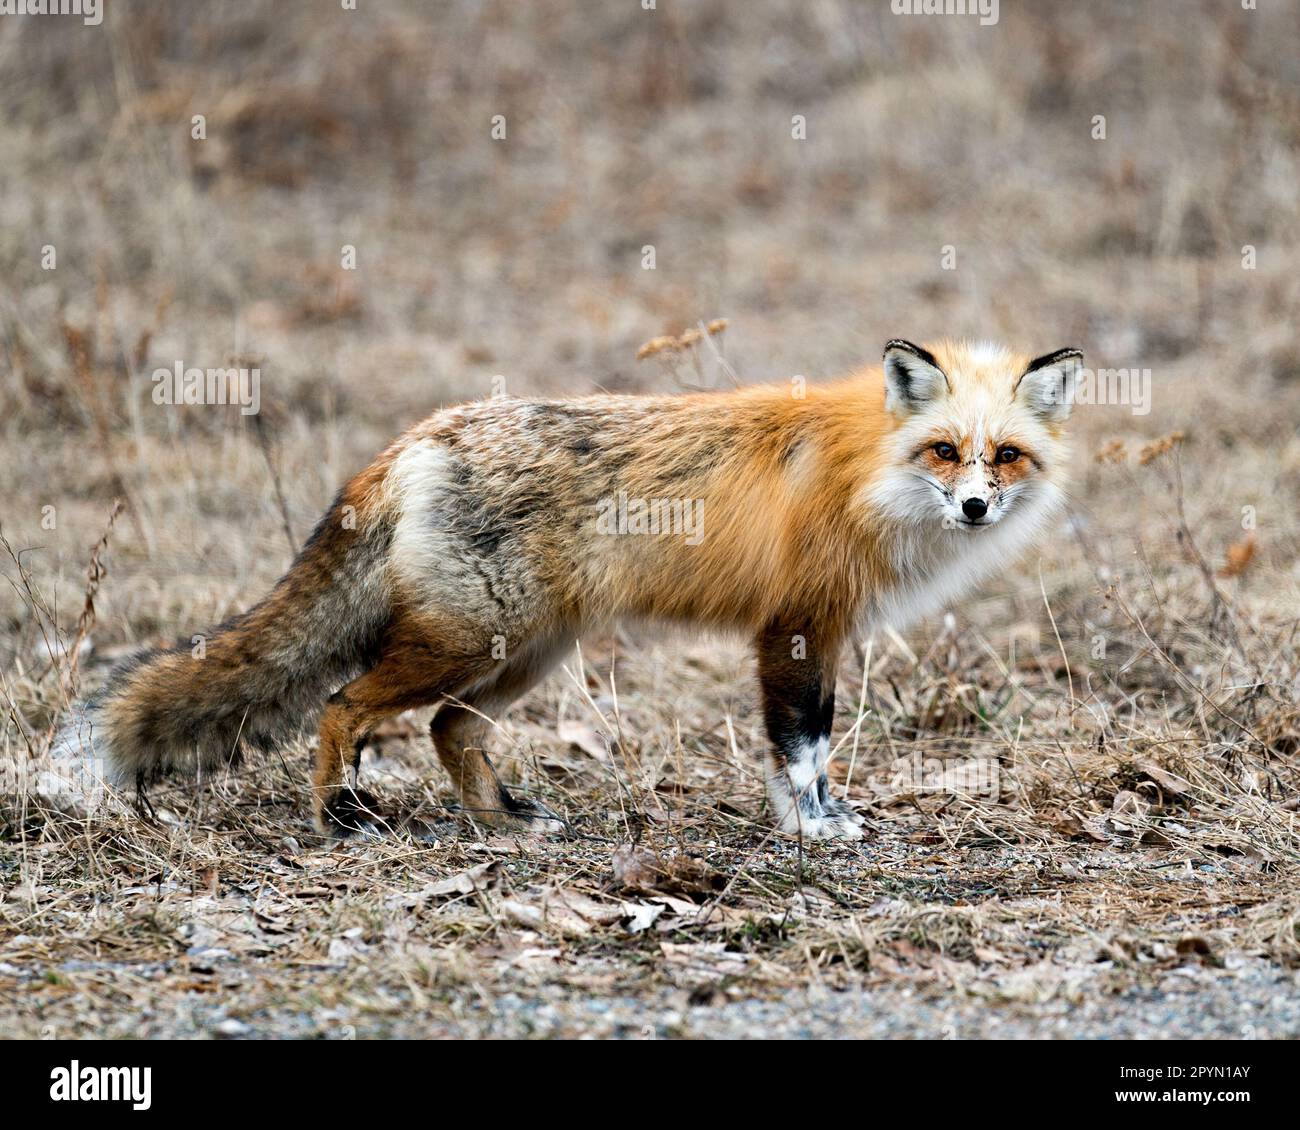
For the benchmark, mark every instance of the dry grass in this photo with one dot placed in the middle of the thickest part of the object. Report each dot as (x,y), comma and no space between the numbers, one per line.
(1081,784)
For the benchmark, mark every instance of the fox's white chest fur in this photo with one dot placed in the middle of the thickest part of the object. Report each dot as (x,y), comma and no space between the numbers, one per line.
(937,566)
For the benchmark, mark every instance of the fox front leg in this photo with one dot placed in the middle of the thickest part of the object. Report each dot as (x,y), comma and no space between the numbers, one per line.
(797,672)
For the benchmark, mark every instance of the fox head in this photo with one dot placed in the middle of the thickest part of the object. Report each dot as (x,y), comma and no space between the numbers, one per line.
(978,436)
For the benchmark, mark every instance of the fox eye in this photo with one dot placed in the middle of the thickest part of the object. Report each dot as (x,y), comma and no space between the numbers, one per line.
(946,452)
(1008,454)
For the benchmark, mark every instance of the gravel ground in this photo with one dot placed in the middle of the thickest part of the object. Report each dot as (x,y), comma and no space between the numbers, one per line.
(1263,1008)
(1250,1002)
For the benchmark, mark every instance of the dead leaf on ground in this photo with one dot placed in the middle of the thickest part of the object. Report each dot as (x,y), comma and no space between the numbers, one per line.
(1128,812)
(705,954)
(640,868)
(641,916)
(480,877)
(1170,783)
(560,911)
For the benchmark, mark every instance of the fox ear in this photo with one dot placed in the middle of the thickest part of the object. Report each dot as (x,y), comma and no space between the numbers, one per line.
(1047,386)
(912,377)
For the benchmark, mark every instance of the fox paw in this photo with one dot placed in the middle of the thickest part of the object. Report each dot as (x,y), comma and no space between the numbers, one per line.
(836,821)
(349,812)
(515,814)
(843,821)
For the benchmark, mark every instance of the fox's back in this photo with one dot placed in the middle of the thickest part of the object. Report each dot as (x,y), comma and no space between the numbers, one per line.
(699,507)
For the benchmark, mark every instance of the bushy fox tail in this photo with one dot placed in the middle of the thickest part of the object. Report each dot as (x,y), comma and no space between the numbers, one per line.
(260,678)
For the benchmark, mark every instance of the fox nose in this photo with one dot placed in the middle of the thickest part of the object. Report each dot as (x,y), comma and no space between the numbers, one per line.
(974,508)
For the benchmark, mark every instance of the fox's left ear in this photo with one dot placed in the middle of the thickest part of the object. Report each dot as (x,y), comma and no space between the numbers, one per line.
(1047,385)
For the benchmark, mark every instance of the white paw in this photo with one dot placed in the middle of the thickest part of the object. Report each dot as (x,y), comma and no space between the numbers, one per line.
(838,828)
(836,822)
(843,811)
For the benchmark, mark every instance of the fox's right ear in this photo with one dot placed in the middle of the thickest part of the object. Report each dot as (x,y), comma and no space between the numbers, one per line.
(912,377)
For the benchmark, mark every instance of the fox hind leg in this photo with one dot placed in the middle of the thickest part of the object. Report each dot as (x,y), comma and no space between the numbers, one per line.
(459,735)
(404,678)
(460,731)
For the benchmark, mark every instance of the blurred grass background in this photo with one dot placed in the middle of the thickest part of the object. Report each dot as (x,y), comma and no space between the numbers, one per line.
(521,259)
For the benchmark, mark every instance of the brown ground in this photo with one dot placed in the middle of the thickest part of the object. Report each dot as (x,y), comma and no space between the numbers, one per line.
(1129,694)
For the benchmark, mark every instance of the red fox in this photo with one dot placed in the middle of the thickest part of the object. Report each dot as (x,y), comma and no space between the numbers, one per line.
(470,554)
